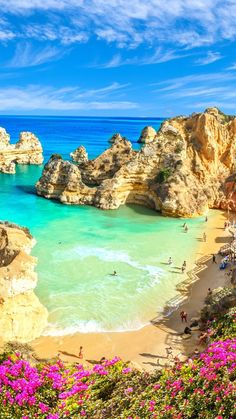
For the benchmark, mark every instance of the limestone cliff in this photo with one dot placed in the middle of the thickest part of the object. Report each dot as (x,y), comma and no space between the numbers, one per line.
(148,135)
(115,137)
(228,194)
(181,172)
(22,316)
(28,150)
(79,155)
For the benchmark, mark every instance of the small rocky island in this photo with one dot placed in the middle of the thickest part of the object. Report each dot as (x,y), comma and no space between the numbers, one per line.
(28,150)
(182,170)
(22,316)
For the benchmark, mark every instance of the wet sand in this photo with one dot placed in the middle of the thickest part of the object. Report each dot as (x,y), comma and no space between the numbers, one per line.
(147,346)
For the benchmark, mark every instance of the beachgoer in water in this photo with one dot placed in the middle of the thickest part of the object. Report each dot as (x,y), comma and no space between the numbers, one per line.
(184,225)
(186,228)
(204,237)
(81,352)
(114,273)
(183,316)
(170,261)
(214,259)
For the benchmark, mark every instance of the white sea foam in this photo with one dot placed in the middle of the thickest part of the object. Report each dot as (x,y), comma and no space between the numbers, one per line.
(90,326)
(106,255)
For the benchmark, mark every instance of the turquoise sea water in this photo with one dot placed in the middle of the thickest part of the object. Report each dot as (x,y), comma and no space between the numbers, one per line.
(79,247)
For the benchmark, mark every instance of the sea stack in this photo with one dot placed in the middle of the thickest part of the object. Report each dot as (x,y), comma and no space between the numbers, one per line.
(115,137)
(22,316)
(180,174)
(28,150)
(148,135)
(79,155)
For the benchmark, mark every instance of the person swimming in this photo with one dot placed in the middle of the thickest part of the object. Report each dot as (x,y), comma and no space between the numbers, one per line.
(114,273)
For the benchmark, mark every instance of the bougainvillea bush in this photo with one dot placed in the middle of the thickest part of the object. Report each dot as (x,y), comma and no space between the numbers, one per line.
(202,387)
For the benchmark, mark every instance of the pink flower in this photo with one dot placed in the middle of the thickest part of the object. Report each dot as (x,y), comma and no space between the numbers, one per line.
(43,407)
(126,370)
(128,390)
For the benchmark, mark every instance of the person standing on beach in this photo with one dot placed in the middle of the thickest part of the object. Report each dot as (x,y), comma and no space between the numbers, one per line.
(214,259)
(204,237)
(81,352)
(206,219)
(170,261)
(183,316)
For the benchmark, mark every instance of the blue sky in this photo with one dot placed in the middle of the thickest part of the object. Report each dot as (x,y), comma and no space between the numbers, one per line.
(117,57)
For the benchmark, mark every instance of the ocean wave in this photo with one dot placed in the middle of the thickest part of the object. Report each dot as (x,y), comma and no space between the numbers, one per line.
(106,255)
(91,326)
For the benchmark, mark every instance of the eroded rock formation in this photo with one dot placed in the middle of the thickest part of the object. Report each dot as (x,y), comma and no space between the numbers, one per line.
(28,150)
(79,155)
(22,316)
(228,201)
(181,172)
(148,135)
(115,137)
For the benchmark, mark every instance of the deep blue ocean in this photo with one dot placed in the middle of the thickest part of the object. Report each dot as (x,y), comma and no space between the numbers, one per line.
(64,134)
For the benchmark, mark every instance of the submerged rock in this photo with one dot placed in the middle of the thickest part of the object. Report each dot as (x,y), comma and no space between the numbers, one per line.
(28,150)
(22,316)
(79,155)
(182,173)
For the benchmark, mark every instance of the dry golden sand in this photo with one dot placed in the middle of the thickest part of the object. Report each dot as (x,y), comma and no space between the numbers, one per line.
(148,345)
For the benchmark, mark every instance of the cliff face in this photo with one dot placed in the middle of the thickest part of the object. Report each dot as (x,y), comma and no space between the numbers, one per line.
(22,316)
(180,172)
(79,155)
(28,150)
(228,201)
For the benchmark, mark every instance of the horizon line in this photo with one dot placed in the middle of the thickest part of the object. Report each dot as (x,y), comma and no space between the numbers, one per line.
(83,116)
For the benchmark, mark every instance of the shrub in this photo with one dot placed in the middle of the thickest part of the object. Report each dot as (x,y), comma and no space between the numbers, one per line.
(163,175)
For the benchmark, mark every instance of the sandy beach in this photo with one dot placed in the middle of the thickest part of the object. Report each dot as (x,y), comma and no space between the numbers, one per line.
(148,345)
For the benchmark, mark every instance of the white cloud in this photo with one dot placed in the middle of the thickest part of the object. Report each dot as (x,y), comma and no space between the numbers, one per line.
(232,67)
(38,98)
(186,23)
(159,56)
(209,58)
(206,88)
(28,56)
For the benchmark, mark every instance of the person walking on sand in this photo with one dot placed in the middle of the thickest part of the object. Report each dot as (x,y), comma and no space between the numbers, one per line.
(170,261)
(214,259)
(206,219)
(81,352)
(183,316)
(183,268)
(204,237)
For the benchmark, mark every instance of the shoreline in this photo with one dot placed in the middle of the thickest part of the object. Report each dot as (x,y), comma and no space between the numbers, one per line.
(143,347)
